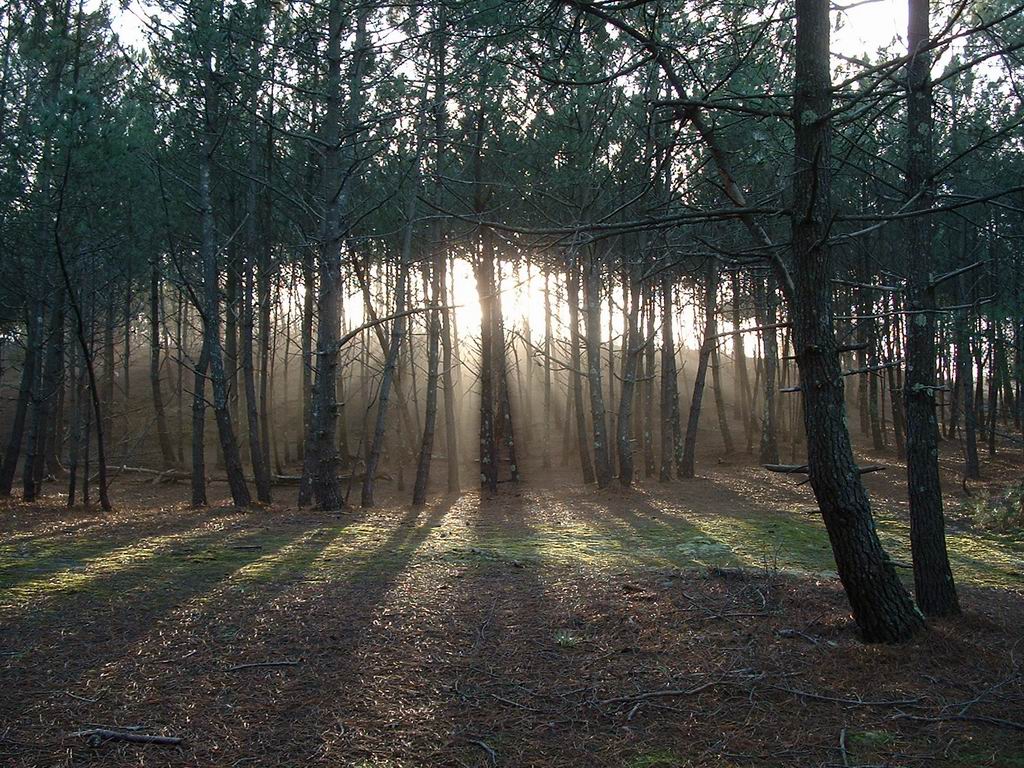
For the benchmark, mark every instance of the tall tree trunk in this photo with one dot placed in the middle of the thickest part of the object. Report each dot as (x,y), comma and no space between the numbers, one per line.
(706,348)
(648,383)
(29,374)
(306,351)
(576,366)
(263,288)
(321,454)
(232,302)
(993,386)
(86,347)
(631,351)
(391,361)
(965,373)
(77,421)
(881,606)
(933,578)
(546,448)
(503,420)
(440,115)
(179,389)
(163,436)
(211,329)
(260,469)
(108,366)
(671,449)
(44,400)
(486,290)
(895,380)
(419,493)
(451,432)
(742,377)
(768,452)
(592,307)
(199,429)
(721,407)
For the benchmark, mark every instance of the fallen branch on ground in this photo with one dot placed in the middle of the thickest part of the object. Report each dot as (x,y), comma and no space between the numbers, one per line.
(296,479)
(97,736)
(847,702)
(964,718)
(666,693)
(802,469)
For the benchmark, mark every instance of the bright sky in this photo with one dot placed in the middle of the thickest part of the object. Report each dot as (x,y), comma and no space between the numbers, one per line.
(862,29)
(865,28)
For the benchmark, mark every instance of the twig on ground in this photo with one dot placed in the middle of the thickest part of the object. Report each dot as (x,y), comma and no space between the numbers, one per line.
(491,754)
(257,664)
(176,660)
(76,697)
(795,633)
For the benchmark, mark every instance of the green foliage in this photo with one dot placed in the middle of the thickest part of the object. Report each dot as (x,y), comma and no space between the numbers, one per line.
(1000,512)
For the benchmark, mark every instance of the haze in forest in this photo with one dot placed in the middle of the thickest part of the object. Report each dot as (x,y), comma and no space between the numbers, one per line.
(529,382)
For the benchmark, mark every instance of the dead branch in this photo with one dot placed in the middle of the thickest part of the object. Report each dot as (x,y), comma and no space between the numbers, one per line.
(668,692)
(840,349)
(938,279)
(802,469)
(758,328)
(847,702)
(871,368)
(998,721)
(97,736)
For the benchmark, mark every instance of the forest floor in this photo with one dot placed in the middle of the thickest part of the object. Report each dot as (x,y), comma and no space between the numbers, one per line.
(695,623)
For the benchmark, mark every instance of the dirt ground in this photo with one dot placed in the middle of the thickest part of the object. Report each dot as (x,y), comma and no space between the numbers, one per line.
(694,623)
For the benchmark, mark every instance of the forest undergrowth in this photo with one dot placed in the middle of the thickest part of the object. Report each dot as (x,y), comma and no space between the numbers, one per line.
(696,623)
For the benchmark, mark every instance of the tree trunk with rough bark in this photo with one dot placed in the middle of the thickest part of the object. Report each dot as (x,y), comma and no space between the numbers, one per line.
(933,577)
(211,328)
(881,606)
(320,463)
